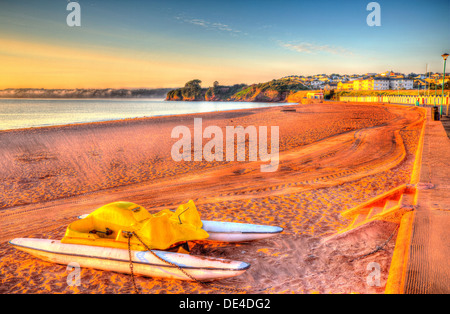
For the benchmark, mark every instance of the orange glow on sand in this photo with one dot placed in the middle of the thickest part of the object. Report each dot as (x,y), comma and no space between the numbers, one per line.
(323,172)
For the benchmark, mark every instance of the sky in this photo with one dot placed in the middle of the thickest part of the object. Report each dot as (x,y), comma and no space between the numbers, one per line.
(155,44)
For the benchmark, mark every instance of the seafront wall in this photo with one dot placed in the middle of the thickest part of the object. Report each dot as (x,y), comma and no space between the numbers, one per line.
(405,99)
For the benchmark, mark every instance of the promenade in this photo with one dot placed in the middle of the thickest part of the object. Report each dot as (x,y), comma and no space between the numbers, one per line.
(420,261)
(428,270)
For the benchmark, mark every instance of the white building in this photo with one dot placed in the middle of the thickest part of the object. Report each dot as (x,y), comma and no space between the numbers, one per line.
(380,83)
(316,83)
(401,84)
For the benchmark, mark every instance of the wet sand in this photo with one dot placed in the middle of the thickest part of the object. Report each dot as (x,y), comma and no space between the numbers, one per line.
(333,156)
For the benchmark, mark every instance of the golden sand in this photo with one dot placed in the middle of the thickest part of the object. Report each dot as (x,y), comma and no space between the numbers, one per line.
(333,156)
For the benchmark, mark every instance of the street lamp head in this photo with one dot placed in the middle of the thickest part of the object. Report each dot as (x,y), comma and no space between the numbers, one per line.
(445,56)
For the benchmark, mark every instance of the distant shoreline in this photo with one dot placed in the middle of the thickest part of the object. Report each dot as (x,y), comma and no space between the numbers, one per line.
(84,93)
(85,98)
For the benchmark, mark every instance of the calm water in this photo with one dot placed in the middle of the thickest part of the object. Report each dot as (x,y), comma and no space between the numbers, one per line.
(25,113)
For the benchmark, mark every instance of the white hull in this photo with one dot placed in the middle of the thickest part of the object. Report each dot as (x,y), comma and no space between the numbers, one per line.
(145,264)
(238,232)
(222,231)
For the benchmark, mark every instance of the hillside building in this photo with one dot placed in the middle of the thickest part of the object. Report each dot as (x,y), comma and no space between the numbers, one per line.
(377,83)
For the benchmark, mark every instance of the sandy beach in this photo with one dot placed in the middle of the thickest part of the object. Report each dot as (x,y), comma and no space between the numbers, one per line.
(333,156)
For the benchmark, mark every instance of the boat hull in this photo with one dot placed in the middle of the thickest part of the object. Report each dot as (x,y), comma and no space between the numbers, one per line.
(238,232)
(144,263)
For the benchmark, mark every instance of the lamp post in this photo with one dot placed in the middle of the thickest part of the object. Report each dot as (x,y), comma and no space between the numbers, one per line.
(445,56)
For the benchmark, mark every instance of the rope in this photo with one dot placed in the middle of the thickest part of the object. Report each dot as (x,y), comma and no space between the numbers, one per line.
(378,248)
(130,234)
(131,267)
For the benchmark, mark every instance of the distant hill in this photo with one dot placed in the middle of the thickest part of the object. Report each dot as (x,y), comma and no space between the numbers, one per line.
(84,93)
(272,91)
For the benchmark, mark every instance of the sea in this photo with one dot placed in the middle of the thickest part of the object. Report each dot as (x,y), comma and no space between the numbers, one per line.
(28,113)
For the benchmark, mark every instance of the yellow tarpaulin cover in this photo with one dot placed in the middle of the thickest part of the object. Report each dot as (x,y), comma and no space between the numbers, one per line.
(106,226)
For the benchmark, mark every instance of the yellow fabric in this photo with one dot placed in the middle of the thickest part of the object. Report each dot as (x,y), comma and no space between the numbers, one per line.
(158,231)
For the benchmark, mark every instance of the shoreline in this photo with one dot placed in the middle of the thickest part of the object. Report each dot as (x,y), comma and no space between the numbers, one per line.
(138,118)
(327,165)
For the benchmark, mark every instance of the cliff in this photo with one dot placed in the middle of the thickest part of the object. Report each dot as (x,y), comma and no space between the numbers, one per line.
(273,91)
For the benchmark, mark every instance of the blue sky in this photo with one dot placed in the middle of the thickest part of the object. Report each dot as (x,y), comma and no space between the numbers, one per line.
(165,43)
